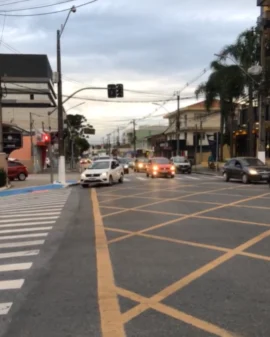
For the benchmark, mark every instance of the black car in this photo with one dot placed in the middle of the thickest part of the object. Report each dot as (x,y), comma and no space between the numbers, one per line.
(246,169)
(125,163)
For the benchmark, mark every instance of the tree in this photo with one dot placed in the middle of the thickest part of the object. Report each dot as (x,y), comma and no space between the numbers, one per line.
(225,83)
(246,52)
(81,144)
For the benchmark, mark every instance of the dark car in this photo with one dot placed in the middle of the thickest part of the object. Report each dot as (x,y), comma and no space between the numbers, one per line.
(125,163)
(16,170)
(246,169)
(140,164)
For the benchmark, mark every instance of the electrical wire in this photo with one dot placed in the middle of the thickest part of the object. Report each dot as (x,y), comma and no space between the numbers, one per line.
(37,7)
(49,13)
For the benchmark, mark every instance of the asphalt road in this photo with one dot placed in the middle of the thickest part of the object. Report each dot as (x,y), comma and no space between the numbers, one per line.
(185,257)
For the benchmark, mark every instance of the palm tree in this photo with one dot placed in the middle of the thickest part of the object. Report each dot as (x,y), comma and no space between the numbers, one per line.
(246,52)
(225,83)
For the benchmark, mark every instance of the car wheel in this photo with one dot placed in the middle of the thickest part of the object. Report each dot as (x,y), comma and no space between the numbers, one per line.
(147,175)
(189,172)
(110,181)
(152,176)
(226,177)
(245,179)
(21,176)
(84,185)
(127,172)
(172,176)
(121,179)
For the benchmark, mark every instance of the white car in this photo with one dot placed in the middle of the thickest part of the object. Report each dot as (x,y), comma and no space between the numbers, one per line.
(105,172)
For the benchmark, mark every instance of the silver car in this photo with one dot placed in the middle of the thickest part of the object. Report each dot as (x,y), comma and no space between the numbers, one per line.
(182,164)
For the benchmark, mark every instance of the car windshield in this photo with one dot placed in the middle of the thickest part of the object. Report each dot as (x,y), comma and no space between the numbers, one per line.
(180,160)
(123,161)
(99,165)
(161,161)
(252,162)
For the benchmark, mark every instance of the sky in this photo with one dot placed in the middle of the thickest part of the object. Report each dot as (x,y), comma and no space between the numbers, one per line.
(153,47)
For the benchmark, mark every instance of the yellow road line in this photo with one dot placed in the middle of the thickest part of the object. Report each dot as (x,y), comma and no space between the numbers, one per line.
(110,316)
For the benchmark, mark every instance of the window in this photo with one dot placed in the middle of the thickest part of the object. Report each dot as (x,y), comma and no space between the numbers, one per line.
(232,163)
(32,97)
(185,121)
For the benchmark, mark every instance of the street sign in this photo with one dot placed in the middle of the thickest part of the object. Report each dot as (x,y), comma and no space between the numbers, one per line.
(12,141)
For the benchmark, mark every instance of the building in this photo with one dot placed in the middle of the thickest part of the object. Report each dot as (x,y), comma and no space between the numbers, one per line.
(29,102)
(196,126)
(142,136)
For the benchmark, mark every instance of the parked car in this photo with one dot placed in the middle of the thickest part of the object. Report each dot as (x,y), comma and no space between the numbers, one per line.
(105,172)
(125,163)
(16,170)
(246,169)
(182,164)
(160,167)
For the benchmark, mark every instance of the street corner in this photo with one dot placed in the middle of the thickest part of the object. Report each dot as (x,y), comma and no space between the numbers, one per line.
(215,234)
(147,265)
(136,220)
(227,302)
(160,324)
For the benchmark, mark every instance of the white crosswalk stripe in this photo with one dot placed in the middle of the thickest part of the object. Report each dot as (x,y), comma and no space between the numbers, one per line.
(25,223)
(178,177)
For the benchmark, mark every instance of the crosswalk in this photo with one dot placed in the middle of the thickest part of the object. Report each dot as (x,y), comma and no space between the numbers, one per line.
(25,223)
(181,177)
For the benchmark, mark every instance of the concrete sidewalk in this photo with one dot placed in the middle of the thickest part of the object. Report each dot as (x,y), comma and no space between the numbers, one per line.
(199,169)
(42,179)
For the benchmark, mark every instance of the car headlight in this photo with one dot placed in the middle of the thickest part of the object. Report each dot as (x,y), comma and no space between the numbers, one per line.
(104,174)
(252,171)
(126,166)
(83,176)
(140,165)
(155,168)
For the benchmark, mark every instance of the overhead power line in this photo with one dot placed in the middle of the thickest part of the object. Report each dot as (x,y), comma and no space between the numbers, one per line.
(48,13)
(36,7)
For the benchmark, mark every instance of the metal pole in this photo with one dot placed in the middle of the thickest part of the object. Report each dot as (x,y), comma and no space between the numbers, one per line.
(134,135)
(178,126)
(51,161)
(61,164)
(1,118)
(217,147)
(195,148)
(261,150)
(201,134)
(31,139)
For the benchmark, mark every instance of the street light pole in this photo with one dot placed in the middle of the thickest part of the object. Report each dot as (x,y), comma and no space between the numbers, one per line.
(61,147)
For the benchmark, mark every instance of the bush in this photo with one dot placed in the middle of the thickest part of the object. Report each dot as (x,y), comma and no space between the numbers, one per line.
(3,177)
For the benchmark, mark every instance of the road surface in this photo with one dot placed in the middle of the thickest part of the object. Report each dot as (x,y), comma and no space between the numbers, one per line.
(151,257)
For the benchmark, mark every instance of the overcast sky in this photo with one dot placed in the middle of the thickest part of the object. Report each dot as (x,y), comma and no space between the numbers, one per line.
(152,46)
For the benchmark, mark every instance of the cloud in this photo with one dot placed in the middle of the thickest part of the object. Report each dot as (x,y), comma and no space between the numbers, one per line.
(156,45)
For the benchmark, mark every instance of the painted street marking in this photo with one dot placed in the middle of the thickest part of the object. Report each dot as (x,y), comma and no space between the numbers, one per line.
(11,284)
(5,307)
(23,253)
(21,244)
(23,214)
(23,236)
(15,266)
(21,230)
(29,219)
(24,224)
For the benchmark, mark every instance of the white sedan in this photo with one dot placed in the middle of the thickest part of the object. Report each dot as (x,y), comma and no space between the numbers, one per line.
(105,172)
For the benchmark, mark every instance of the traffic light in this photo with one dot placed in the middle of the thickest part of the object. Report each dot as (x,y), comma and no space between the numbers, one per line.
(111,90)
(119,90)
(46,138)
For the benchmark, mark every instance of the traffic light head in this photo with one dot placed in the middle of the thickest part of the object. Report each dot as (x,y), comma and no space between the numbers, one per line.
(46,138)
(119,90)
(111,90)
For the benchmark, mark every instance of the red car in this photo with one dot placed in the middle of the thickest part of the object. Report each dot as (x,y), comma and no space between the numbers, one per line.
(160,167)
(17,170)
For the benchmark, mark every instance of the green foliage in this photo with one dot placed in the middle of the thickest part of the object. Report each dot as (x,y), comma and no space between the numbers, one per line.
(3,177)
(81,144)
(76,122)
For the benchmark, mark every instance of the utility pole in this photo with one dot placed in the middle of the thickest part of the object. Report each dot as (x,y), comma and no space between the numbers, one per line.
(195,147)
(134,135)
(118,137)
(1,118)
(31,123)
(265,16)
(178,124)
(109,143)
(61,149)
(201,139)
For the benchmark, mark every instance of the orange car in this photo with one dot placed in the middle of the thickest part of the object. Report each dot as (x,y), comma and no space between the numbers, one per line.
(160,167)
